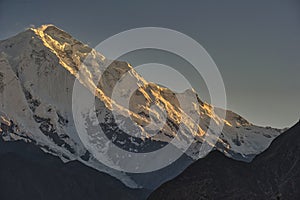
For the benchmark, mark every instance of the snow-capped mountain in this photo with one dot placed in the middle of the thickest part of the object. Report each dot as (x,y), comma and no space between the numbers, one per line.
(37,74)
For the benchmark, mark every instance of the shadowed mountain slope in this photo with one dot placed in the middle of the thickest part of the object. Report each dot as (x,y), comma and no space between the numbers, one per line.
(274,174)
(28,173)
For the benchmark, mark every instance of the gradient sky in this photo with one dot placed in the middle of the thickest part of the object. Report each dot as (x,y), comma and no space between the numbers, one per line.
(255,43)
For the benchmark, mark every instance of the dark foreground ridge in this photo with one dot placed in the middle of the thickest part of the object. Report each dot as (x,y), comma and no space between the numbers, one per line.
(274,174)
(28,173)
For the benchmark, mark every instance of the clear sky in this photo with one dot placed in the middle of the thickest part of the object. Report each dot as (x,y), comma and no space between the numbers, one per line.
(255,43)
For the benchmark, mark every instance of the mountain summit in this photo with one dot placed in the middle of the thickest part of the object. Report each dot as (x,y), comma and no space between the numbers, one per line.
(37,74)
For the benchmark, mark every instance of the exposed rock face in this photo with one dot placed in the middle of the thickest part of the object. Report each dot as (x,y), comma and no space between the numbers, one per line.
(274,174)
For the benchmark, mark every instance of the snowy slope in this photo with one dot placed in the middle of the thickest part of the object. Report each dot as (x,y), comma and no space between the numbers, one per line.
(38,70)
(36,99)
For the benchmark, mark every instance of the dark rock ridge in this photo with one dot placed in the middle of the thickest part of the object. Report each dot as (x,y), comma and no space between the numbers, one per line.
(28,173)
(274,174)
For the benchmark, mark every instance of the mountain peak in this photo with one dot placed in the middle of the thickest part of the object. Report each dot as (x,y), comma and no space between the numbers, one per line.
(71,52)
(44,26)
(53,31)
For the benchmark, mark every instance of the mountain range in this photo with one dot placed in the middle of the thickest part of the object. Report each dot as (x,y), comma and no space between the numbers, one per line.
(38,69)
